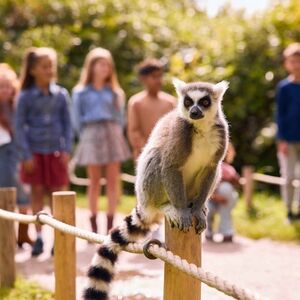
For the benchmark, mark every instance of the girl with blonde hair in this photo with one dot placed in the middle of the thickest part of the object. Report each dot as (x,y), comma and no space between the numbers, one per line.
(9,86)
(98,102)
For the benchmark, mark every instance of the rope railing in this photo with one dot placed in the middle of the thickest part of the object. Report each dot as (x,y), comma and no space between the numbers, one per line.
(86,181)
(250,177)
(274,179)
(154,249)
(264,178)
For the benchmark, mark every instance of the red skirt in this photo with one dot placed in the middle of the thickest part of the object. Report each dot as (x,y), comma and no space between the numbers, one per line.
(49,171)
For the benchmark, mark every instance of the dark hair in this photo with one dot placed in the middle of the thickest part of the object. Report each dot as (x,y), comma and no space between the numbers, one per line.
(31,58)
(149,66)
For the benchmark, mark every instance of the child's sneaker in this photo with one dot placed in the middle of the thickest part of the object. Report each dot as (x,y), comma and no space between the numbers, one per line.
(93,220)
(38,247)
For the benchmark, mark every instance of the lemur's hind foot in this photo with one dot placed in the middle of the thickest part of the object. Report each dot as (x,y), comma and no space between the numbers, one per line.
(179,218)
(199,217)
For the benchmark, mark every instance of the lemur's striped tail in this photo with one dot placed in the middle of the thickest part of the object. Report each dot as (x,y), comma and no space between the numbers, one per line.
(101,271)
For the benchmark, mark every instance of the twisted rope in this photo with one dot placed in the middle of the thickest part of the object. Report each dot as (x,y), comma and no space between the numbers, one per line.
(153,248)
(206,277)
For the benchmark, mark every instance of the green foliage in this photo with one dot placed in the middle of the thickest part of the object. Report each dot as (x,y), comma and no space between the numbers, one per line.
(25,290)
(246,50)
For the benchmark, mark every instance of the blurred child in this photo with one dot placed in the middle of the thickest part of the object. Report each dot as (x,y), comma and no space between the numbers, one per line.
(98,114)
(8,151)
(288,122)
(148,106)
(224,199)
(43,129)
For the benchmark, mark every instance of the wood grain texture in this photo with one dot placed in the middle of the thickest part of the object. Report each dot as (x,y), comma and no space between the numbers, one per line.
(64,247)
(178,285)
(248,186)
(7,239)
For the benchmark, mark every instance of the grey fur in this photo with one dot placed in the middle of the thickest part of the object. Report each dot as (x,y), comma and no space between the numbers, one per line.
(160,185)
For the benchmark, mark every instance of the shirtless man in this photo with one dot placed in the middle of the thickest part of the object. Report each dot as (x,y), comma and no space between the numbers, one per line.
(148,106)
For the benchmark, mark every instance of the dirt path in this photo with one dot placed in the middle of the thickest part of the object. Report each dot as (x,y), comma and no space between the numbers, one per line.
(270,268)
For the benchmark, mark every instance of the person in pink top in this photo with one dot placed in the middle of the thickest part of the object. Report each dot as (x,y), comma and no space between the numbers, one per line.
(224,199)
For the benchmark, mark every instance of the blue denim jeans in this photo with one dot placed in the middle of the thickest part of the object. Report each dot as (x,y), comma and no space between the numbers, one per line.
(9,174)
(290,170)
(228,191)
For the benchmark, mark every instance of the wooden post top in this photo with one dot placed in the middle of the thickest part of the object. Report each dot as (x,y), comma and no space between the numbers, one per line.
(64,193)
(7,189)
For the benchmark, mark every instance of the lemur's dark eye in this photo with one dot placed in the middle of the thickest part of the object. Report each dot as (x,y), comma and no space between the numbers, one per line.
(188,101)
(205,101)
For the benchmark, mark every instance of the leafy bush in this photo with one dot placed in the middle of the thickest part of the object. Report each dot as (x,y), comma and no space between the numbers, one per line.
(246,50)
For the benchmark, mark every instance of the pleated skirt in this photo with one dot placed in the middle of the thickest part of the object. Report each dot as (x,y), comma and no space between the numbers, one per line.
(101,143)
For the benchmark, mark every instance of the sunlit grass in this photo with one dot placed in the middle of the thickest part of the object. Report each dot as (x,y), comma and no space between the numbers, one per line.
(25,290)
(127,203)
(267,220)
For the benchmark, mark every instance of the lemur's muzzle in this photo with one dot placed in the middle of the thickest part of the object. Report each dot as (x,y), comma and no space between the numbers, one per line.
(196,113)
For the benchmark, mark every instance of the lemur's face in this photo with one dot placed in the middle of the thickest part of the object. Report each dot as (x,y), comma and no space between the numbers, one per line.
(199,100)
(196,103)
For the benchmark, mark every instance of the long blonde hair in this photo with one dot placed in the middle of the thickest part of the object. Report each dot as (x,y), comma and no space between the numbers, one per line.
(6,72)
(112,81)
(31,58)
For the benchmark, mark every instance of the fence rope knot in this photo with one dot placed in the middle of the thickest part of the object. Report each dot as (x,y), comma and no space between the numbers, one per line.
(44,213)
(151,243)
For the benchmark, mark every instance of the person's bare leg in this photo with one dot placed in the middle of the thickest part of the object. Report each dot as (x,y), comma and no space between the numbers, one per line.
(94,175)
(38,193)
(112,190)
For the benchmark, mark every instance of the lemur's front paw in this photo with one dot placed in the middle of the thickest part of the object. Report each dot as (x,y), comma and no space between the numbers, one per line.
(179,218)
(200,219)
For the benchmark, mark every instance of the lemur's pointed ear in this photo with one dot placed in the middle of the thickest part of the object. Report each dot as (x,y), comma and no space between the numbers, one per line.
(220,89)
(178,84)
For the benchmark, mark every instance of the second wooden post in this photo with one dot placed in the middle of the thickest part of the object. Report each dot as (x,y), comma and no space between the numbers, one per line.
(7,240)
(247,172)
(64,247)
(178,285)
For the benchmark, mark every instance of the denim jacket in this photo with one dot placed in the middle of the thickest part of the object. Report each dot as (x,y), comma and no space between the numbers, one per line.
(91,105)
(43,122)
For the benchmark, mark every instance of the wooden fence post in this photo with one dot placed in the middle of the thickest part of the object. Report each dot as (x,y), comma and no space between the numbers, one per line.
(64,247)
(247,173)
(178,285)
(7,239)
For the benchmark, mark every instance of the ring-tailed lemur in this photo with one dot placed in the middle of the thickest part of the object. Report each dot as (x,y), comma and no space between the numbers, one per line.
(177,172)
